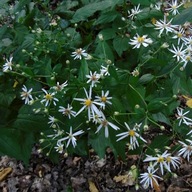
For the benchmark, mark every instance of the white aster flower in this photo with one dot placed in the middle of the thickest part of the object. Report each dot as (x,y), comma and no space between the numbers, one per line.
(104,99)
(164,25)
(104,70)
(161,160)
(53,121)
(174,7)
(149,178)
(70,138)
(67,111)
(89,104)
(132,133)
(174,161)
(179,34)
(178,52)
(48,98)
(59,87)
(135,11)
(58,133)
(182,116)
(137,41)
(8,65)
(78,53)
(186,58)
(59,147)
(26,95)
(105,124)
(93,78)
(186,150)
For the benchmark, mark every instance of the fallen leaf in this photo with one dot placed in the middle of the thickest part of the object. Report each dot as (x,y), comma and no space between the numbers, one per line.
(126,180)
(156,186)
(92,187)
(4,173)
(189,103)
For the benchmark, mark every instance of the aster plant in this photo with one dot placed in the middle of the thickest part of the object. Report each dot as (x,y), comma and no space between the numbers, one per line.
(115,74)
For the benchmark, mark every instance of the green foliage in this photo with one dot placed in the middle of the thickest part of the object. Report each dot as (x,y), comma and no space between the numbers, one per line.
(78,74)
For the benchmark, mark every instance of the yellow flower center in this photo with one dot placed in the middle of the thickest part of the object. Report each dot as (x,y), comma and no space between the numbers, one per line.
(88,102)
(78,51)
(160,159)
(140,39)
(103,99)
(132,133)
(188,58)
(153,20)
(174,7)
(179,35)
(48,96)
(168,159)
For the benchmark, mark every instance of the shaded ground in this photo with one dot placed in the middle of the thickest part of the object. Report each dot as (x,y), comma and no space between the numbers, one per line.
(80,174)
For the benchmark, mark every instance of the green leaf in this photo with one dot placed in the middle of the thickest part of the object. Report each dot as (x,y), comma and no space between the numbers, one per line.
(155,106)
(185,15)
(88,10)
(146,78)
(16,144)
(106,17)
(109,33)
(6,97)
(143,2)
(161,118)
(159,142)
(28,121)
(100,143)
(121,44)
(83,71)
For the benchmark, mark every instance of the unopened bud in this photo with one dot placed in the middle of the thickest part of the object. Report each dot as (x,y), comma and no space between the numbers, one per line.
(116,113)
(137,106)
(162,128)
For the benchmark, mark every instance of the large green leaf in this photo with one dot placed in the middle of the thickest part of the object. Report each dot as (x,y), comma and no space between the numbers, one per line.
(84,70)
(185,15)
(16,143)
(88,10)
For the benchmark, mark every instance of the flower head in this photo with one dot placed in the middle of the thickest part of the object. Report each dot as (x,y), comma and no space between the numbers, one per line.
(173,7)
(93,78)
(78,53)
(70,138)
(186,150)
(105,124)
(26,94)
(132,133)
(162,25)
(67,111)
(48,98)
(89,104)
(60,87)
(164,160)
(103,98)
(8,65)
(149,178)
(135,11)
(182,116)
(178,52)
(137,41)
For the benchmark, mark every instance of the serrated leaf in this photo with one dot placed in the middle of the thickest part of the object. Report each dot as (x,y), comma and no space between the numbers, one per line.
(120,44)
(161,118)
(88,10)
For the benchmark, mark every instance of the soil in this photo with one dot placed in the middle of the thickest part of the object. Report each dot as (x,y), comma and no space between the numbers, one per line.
(83,174)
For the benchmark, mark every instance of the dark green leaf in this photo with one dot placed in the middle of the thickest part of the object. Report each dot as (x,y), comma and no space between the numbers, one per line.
(88,10)
(185,15)
(120,44)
